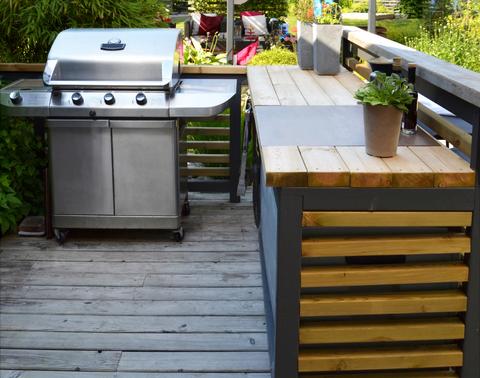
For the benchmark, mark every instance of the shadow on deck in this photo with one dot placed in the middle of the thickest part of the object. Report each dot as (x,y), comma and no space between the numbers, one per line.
(136,304)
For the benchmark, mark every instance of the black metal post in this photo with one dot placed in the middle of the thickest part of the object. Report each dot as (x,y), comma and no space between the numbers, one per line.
(289,263)
(471,342)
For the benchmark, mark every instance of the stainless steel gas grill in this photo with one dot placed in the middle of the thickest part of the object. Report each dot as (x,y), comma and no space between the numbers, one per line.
(114,102)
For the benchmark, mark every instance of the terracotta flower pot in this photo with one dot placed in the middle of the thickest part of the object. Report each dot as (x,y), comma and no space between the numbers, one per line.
(382,125)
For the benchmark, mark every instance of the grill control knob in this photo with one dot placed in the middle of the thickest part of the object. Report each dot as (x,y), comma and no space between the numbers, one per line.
(109,99)
(15,97)
(141,99)
(77,98)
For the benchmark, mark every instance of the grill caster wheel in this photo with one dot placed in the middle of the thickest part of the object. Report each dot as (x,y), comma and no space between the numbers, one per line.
(179,235)
(186,209)
(61,235)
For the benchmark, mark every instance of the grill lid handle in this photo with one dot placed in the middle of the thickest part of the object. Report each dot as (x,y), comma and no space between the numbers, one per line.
(113,44)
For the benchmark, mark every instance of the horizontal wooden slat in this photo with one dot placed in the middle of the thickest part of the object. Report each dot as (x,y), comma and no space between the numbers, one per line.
(450,169)
(447,130)
(202,171)
(409,374)
(385,219)
(218,118)
(214,70)
(284,167)
(366,331)
(385,245)
(208,130)
(22,67)
(364,275)
(205,158)
(432,356)
(410,302)
(205,145)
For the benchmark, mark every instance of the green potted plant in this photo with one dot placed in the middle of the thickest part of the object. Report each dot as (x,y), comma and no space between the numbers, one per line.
(327,37)
(383,102)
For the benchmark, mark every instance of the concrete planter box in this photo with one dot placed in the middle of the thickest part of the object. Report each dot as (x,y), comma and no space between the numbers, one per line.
(326,48)
(305,45)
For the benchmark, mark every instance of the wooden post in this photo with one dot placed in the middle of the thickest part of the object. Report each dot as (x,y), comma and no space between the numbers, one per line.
(230,18)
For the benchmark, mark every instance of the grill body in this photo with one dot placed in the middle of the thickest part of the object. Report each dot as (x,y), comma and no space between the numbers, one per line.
(115,107)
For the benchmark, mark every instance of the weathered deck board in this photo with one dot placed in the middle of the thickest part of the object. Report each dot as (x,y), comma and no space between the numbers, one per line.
(136,301)
(122,324)
(63,374)
(186,362)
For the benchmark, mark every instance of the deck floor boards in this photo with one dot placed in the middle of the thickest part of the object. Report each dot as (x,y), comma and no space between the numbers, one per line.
(135,303)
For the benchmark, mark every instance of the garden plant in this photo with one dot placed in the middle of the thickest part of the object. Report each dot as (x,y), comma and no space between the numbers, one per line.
(21,184)
(456,39)
(28,28)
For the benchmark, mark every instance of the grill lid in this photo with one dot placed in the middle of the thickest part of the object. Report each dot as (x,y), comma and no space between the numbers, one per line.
(115,58)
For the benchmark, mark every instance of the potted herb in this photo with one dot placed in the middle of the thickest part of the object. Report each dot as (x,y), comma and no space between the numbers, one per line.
(383,102)
(327,37)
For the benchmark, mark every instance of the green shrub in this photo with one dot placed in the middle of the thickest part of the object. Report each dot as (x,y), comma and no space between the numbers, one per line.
(399,31)
(271,8)
(414,8)
(21,188)
(28,28)
(362,7)
(457,40)
(275,56)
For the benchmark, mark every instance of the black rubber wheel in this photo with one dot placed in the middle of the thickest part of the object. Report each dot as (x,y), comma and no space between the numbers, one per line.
(179,235)
(186,209)
(62,236)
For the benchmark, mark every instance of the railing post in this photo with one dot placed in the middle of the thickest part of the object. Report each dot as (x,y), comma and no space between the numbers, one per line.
(235,142)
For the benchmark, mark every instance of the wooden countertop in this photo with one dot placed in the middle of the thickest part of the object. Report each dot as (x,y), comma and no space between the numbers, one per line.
(308,127)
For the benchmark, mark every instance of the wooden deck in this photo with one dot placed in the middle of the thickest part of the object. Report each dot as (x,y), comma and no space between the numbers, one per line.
(136,304)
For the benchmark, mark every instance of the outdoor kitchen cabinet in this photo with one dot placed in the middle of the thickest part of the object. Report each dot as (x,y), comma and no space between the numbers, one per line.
(119,171)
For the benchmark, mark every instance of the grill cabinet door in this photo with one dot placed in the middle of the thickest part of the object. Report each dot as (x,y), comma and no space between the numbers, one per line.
(80,156)
(145,159)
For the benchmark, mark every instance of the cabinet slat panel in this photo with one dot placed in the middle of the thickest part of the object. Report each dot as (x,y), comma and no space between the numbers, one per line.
(385,219)
(383,303)
(433,356)
(363,275)
(410,374)
(366,331)
(380,245)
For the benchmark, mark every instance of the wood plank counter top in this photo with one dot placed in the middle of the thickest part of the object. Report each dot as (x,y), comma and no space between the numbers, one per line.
(310,131)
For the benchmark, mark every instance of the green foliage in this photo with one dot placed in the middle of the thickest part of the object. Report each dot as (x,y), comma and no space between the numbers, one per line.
(414,8)
(304,10)
(275,56)
(391,90)
(331,14)
(28,28)
(21,190)
(399,31)
(456,40)
(193,53)
(271,8)
(362,7)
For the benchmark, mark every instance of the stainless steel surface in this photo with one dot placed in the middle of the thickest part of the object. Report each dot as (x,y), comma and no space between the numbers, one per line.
(112,222)
(81,166)
(150,59)
(202,97)
(35,99)
(194,98)
(145,161)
